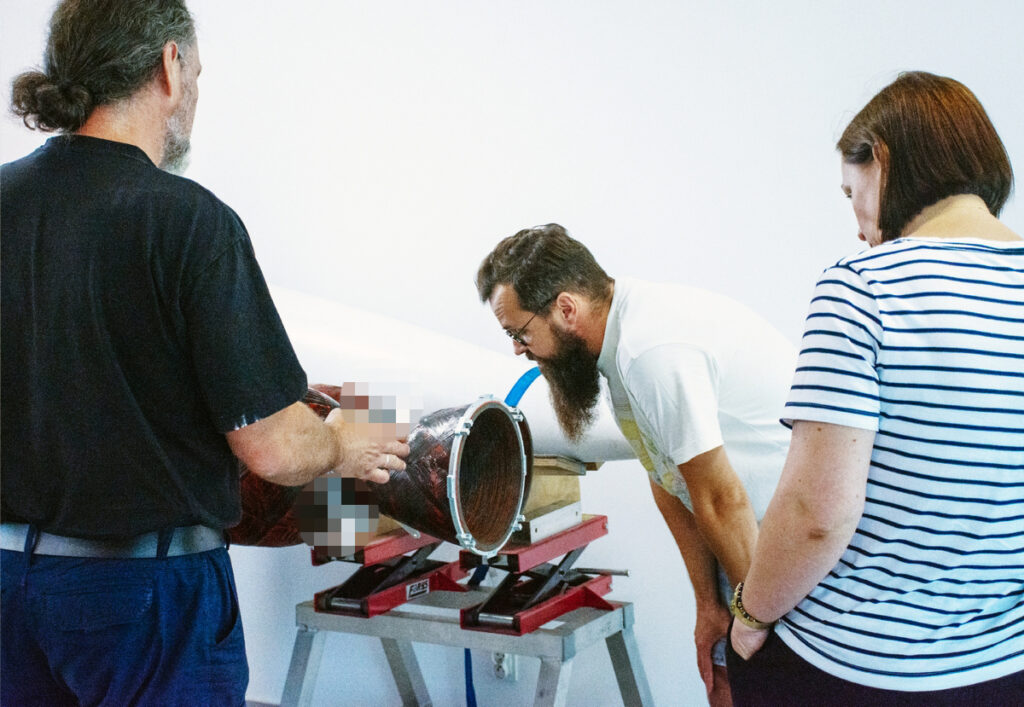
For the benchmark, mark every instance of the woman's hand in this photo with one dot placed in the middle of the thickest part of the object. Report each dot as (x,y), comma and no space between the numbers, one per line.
(747,641)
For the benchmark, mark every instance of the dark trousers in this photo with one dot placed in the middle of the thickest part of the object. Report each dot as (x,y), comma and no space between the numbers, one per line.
(114,632)
(776,676)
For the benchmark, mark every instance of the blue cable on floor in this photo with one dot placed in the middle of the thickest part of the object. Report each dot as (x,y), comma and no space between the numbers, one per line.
(478,576)
(512,399)
(470,691)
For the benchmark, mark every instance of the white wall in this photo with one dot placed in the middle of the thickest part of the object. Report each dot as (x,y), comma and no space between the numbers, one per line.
(377,150)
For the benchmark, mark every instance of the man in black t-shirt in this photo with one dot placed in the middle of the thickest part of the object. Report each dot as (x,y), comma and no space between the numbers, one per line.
(141,354)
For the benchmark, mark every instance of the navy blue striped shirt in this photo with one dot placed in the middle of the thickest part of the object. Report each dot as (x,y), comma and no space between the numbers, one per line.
(922,340)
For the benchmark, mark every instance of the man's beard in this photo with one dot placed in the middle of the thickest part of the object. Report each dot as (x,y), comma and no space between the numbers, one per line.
(178,133)
(573,382)
(176,149)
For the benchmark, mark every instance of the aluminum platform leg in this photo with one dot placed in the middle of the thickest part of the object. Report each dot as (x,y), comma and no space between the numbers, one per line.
(303,669)
(629,670)
(406,671)
(553,683)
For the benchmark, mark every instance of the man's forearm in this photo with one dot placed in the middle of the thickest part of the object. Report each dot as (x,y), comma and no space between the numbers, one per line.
(730,530)
(291,447)
(697,557)
(722,511)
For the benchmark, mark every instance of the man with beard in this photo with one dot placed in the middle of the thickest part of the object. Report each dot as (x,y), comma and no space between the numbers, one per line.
(141,353)
(696,382)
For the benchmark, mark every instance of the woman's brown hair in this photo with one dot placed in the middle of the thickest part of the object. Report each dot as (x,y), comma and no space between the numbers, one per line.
(933,139)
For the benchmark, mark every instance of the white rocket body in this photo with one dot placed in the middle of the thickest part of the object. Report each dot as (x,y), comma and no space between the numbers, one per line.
(337,343)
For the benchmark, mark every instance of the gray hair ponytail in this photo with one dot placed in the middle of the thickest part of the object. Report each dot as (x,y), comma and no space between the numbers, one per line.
(98,52)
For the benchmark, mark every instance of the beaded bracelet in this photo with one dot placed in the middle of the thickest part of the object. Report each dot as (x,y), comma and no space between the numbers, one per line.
(737,610)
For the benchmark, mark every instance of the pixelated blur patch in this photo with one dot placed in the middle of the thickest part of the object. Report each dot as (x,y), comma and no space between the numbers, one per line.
(391,409)
(336,515)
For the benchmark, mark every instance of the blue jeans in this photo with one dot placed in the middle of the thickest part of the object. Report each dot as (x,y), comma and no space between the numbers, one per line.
(149,631)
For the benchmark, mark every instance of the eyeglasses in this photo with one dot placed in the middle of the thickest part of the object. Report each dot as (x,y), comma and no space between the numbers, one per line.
(517,334)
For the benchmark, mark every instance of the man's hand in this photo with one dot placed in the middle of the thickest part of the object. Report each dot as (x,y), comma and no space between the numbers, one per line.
(747,641)
(712,624)
(365,455)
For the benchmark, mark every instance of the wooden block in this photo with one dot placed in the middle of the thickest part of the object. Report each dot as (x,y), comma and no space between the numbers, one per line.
(386,524)
(549,465)
(549,490)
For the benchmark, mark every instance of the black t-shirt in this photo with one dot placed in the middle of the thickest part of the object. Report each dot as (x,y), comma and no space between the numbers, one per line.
(137,330)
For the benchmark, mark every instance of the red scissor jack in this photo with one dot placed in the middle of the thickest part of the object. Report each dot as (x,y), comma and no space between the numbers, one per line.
(537,589)
(388,577)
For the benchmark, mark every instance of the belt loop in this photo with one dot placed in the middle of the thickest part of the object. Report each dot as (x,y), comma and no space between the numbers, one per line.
(31,539)
(163,543)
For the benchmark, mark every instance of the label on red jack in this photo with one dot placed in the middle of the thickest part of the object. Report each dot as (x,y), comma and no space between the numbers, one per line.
(417,589)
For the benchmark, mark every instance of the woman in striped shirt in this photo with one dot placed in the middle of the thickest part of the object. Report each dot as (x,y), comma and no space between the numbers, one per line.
(890,565)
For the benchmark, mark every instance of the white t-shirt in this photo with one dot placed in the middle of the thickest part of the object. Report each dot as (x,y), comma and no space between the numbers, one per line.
(689,370)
